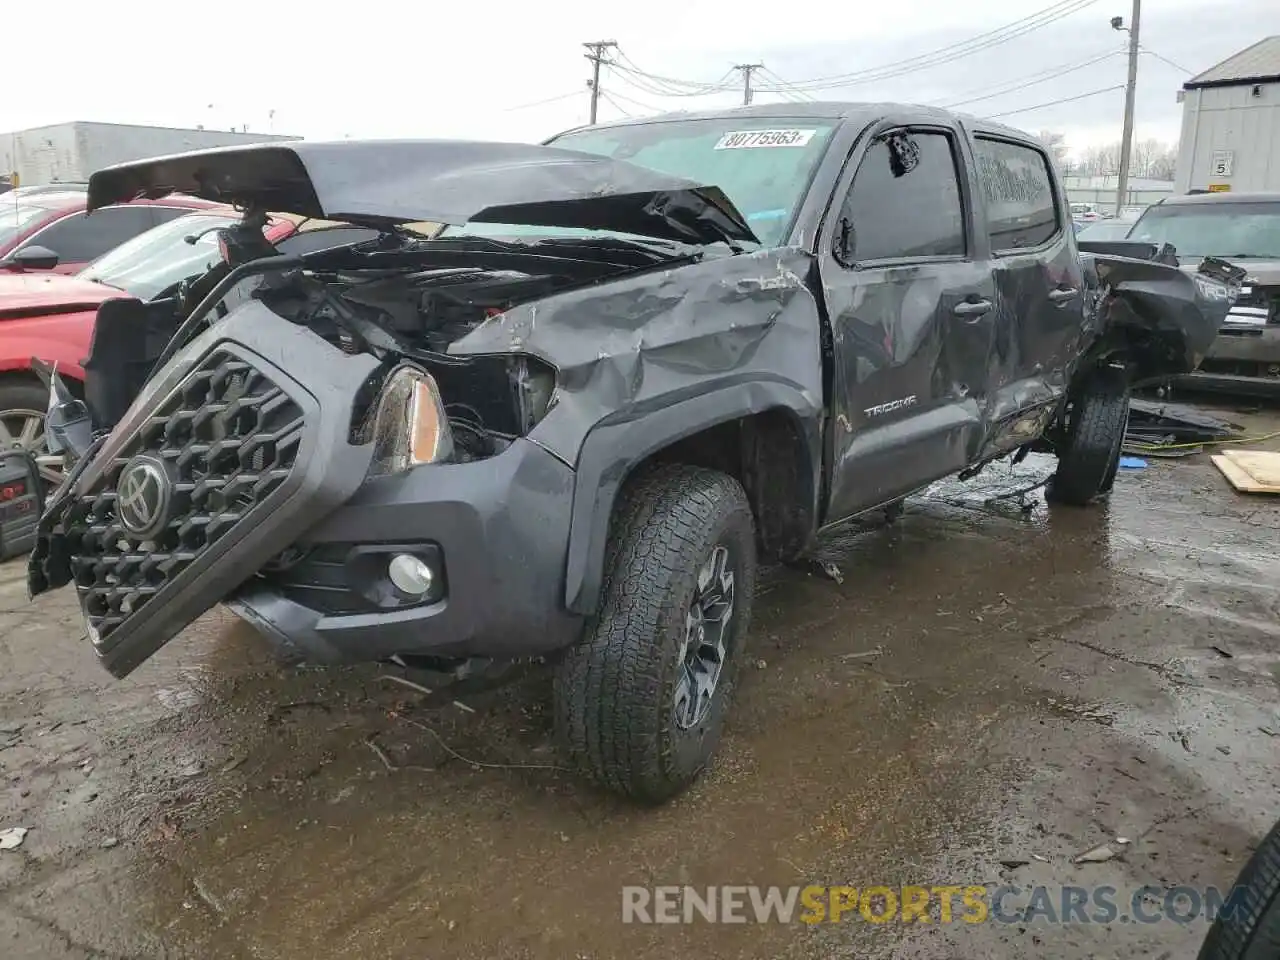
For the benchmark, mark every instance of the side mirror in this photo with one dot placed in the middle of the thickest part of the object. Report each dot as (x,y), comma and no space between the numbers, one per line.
(67,428)
(34,257)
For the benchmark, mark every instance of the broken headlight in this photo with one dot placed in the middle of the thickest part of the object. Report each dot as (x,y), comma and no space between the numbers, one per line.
(406,424)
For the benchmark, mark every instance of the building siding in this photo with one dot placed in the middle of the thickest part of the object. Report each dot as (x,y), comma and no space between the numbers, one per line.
(1230,118)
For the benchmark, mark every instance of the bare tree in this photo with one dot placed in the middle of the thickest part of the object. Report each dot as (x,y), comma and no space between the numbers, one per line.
(1056,144)
(1101,161)
(1151,158)
(1164,162)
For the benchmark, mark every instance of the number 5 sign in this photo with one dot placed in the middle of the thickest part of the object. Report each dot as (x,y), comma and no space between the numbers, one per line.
(1221,165)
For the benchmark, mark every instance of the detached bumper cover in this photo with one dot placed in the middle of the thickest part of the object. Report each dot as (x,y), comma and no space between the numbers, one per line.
(1241,360)
(500,530)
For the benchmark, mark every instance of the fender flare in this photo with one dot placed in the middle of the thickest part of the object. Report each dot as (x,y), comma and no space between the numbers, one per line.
(612,449)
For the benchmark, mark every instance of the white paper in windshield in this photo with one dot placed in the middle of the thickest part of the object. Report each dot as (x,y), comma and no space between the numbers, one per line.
(742,139)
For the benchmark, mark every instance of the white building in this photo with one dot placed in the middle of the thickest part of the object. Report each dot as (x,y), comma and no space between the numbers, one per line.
(1231,124)
(68,152)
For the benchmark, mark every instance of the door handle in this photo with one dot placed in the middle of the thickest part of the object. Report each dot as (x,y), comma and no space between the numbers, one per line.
(971,309)
(1063,294)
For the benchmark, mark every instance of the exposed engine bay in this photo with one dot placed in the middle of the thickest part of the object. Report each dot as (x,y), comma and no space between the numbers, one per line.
(400,300)
(415,315)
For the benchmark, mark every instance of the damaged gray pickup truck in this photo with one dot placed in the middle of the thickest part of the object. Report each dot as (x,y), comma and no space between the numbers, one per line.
(564,430)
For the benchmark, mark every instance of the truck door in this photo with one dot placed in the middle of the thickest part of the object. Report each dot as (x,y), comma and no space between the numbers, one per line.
(1039,318)
(910,296)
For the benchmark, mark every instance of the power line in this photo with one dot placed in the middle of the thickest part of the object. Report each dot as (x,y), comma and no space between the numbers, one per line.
(634,102)
(669,86)
(538,103)
(1177,66)
(951,52)
(1054,103)
(784,89)
(617,106)
(1032,80)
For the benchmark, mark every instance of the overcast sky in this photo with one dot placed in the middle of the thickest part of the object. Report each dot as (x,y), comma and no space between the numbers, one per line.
(381,68)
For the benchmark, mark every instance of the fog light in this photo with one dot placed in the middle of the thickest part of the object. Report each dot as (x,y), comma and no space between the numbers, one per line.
(409,574)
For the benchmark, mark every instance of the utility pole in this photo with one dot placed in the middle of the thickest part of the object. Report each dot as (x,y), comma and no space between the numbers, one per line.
(747,69)
(1126,137)
(596,56)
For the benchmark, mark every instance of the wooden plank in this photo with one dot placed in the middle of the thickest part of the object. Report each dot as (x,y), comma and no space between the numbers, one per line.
(1240,476)
(1262,465)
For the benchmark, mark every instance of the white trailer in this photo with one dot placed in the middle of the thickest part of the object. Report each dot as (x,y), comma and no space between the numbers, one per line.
(69,152)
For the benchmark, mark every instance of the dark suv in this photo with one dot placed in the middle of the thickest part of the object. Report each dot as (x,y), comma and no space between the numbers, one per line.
(1245,229)
(565,429)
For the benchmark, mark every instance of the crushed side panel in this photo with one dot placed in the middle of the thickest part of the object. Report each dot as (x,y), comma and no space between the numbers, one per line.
(643,343)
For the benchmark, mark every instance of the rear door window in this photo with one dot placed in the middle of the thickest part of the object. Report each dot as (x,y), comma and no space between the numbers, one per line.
(905,203)
(161,214)
(1017,184)
(83,237)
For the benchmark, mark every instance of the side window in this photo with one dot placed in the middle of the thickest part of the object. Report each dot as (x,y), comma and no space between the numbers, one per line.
(311,241)
(1017,183)
(905,200)
(82,237)
(161,214)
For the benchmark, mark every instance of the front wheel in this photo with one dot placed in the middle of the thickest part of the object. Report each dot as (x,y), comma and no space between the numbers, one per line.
(1251,930)
(1089,449)
(640,701)
(22,410)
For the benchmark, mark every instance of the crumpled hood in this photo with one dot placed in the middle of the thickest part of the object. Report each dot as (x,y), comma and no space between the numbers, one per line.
(31,294)
(386,182)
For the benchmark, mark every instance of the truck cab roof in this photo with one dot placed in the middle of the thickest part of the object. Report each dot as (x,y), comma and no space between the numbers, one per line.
(861,112)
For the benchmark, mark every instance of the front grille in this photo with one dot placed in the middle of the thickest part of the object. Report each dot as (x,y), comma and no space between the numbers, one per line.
(1257,304)
(225,439)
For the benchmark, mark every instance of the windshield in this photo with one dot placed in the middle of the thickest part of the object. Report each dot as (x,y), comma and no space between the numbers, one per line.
(763,165)
(17,217)
(1106,230)
(159,258)
(1214,229)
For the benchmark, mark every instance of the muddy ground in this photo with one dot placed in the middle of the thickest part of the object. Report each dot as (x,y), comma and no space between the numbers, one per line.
(988,694)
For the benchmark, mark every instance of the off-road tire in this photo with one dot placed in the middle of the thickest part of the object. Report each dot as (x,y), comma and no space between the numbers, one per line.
(615,690)
(1252,930)
(1089,453)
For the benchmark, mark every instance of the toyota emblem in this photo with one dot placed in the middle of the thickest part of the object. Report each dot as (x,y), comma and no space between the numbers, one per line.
(142,496)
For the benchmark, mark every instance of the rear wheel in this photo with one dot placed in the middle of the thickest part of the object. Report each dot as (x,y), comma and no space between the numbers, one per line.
(22,410)
(640,702)
(1089,448)
(1251,931)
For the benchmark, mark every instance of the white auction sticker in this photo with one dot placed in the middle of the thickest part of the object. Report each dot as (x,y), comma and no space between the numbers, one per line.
(740,139)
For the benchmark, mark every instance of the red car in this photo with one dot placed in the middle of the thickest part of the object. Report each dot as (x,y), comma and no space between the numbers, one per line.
(49,230)
(51,317)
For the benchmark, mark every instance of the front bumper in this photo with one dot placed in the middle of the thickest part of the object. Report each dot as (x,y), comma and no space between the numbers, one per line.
(499,529)
(1244,359)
